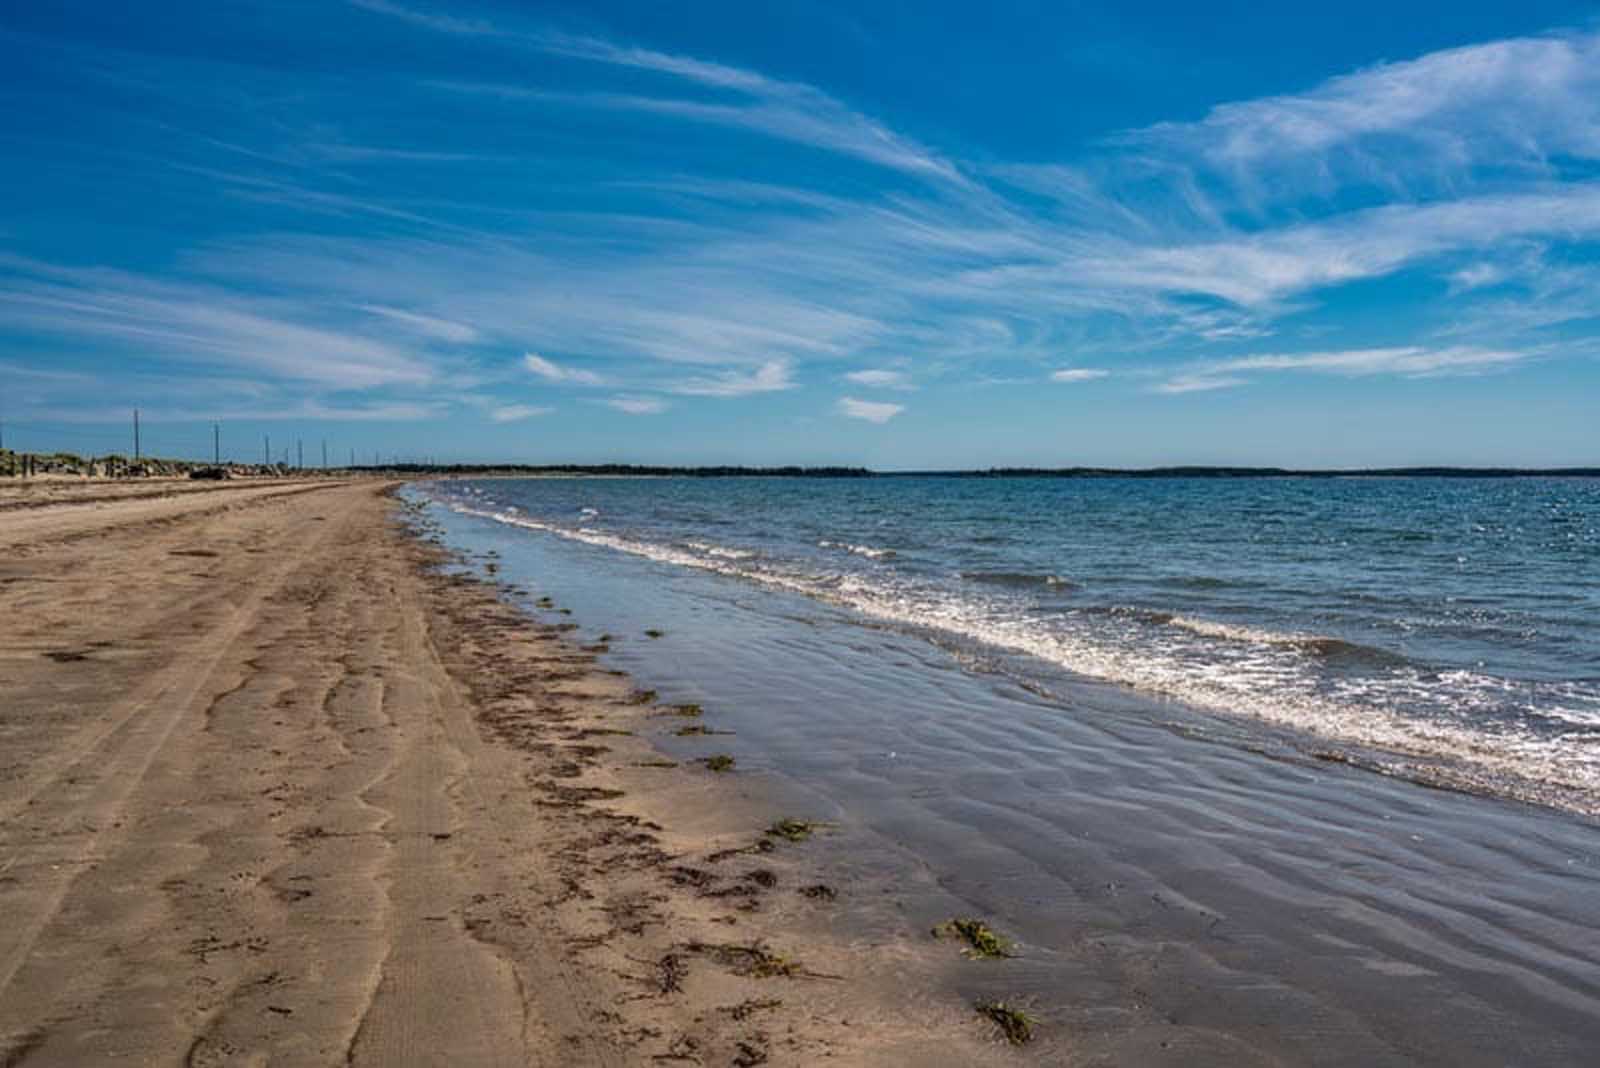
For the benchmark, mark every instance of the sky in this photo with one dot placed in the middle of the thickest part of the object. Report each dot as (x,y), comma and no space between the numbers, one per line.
(904,235)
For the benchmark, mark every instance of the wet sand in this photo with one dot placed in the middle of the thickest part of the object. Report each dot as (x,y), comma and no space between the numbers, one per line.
(276,789)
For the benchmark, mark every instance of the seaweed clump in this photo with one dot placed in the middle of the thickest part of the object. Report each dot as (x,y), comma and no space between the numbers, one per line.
(753,961)
(983,942)
(696,729)
(719,762)
(1014,1025)
(792,830)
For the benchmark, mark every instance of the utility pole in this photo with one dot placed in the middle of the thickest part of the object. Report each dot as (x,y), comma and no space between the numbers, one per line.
(324,454)
(352,458)
(216,444)
(266,450)
(136,454)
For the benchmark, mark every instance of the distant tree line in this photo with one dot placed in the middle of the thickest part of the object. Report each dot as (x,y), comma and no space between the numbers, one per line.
(723,471)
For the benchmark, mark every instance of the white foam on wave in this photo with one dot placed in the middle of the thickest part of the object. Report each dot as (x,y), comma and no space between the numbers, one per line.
(721,551)
(1235,632)
(1264,687)
(870,552)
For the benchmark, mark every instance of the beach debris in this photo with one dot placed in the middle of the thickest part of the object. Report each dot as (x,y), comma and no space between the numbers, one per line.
(656,764)
(544,602)
(654,633)
(1014,1025)
(687,709)
(670,973)
(753,960)
(719,762)
(793,830)
(819,892)
(640,697)
(752,1052)
(689,729)
(750,1006)
(983,942)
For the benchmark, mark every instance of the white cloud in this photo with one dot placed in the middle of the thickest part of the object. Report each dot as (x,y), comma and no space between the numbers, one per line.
(160,320)
(1408,361)
(1515,102)
(1476,276)
(1078,374)
(788,111)
(511,413)
(427,325)
(637,405)
(880,378)
(441,23)
(554,372)
(871,411)
(770,377)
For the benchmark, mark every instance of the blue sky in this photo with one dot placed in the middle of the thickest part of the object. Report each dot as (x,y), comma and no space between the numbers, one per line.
(903,235)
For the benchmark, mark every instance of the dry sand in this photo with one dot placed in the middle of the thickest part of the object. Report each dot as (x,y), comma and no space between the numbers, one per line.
(273,789)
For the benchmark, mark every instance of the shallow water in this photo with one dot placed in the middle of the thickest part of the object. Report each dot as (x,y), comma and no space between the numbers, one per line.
(1170,870)
(1449,623)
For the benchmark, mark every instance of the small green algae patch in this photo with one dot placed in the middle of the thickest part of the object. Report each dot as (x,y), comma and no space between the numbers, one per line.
(719,762)
(983,942)
(1014,1025)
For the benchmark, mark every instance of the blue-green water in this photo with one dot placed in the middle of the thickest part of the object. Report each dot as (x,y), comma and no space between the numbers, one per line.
(1093,713)
(1445,625)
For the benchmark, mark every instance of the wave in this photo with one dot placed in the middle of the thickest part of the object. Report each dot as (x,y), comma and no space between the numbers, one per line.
(1019,579)
(721,551)
(1269,690)
(860,550)
(1333,649)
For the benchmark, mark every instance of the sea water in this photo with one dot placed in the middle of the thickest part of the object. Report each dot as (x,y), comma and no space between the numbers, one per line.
(1448,627)
(1135,724)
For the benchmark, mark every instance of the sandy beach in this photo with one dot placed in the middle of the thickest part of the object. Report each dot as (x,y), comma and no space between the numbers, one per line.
(274,788)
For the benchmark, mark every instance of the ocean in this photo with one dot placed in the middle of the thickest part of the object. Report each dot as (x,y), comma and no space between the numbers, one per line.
(1181,738)
(1447,628)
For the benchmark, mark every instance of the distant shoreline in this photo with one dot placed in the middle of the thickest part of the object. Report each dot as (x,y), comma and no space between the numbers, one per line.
(650,471)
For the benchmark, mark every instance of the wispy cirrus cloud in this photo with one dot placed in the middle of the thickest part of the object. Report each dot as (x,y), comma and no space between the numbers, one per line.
(1407,361)
(144,317)
(879,378)
(747,100)
(513,413)
(770,377)
(636,405)
(1469,171)
(1517,102)
(551,371)
(427,325)
(871,411)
